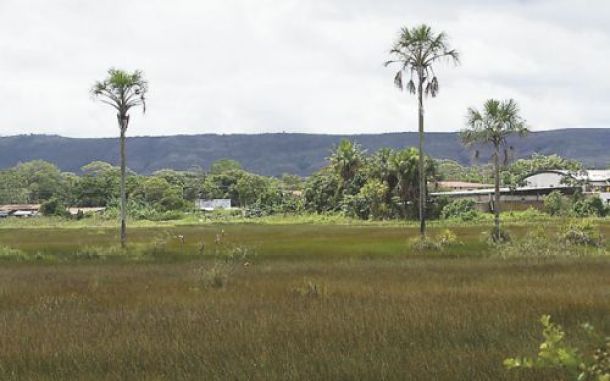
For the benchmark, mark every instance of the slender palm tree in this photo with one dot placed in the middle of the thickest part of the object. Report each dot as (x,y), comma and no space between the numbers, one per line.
(415,52)
(493,125)
(122,91)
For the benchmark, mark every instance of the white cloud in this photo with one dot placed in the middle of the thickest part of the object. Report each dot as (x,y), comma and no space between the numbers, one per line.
(233,66)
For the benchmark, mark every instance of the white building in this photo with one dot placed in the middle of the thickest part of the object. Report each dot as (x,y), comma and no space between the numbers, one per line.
(215,204)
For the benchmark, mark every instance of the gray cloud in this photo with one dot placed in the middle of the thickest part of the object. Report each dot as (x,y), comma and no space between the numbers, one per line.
(231,66)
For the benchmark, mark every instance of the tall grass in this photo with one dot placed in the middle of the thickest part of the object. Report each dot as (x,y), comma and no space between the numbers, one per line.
(394,319)
(318,302)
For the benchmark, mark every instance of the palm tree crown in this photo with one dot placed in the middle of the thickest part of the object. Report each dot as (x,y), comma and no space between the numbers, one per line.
(497,121)
(122,90)
(347,158)
(415,51)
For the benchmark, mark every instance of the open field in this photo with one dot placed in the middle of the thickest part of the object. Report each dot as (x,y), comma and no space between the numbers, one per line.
(317,302)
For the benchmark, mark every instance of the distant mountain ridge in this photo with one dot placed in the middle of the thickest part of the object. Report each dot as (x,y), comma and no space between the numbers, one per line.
(277,153)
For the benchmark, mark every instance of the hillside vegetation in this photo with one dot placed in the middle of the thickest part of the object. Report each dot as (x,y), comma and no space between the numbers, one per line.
(275,154)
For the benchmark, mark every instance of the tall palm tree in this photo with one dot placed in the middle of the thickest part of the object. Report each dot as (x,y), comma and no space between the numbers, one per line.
(415,51)
(347,158)
(493,125)
(122,91)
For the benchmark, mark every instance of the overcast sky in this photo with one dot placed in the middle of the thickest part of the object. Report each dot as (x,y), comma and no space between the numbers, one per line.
(315,66)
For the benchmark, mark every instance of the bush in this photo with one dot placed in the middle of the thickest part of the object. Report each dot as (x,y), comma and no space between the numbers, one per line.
(556,204)
(54,207)
(436,242)
(579,364)
(573,240)
(589,207)
(462,209)
(581,233)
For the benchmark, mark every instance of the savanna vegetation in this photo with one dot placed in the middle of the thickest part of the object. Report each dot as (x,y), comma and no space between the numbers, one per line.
(351,273)
(304,301)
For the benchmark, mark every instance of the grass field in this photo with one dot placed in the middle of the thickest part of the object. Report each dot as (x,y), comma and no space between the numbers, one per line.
(317,302)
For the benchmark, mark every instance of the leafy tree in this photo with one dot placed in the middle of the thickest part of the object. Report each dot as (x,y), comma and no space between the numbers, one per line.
(374,193)
(222,185)
(450,170)
(224,165)
(122,91)
(99,184)
(493,125)
(416,52)
(291,182)
(43,180)
(321,191)
(173,177)
(537,162)
(13,188)
(153,189)
(250,188)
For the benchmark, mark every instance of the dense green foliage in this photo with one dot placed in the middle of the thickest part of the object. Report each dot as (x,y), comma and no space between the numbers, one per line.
(462,209)
(379,185)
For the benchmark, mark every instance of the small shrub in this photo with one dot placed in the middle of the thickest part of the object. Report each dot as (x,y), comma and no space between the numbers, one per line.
(437,242)
(54,207)
(582,234)
(311,289)
(589,207)
(447,237)
(587,364)
(462,209)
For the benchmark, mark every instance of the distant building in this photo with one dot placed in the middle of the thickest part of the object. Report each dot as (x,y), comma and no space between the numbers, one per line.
(85,210)
(532,189)
(549,179)
(459,186)
(214,204)
(20,210)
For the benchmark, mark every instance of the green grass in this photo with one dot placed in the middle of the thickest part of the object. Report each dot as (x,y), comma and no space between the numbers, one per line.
(380,312)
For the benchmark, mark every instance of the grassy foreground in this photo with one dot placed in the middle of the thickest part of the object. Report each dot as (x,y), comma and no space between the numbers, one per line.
(318,302)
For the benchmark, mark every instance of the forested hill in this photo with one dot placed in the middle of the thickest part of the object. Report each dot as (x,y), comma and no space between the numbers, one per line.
(275,154)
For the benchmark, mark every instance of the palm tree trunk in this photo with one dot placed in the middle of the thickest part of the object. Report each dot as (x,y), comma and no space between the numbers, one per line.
(497,195)
(422,173)
(123,122)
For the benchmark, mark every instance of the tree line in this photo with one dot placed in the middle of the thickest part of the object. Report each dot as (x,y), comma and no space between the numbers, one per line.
(379,185)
